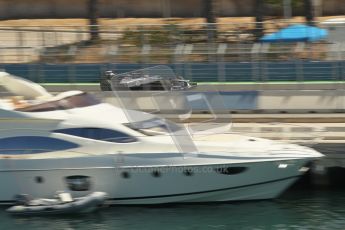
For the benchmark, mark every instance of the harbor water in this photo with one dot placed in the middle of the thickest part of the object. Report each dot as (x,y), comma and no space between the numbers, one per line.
(295,209)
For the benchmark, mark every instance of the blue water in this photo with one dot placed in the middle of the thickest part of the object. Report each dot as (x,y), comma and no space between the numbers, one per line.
(297,209)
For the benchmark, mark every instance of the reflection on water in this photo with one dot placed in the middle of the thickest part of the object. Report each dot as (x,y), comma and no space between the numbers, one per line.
(295,210)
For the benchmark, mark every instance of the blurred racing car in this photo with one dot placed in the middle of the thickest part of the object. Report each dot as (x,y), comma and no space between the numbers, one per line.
(154,78)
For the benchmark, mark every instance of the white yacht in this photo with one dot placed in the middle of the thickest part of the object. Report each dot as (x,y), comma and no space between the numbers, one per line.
(74,142)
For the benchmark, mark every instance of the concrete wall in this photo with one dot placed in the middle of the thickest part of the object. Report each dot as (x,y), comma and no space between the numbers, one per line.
(135,8)
(301,100)
(268,101)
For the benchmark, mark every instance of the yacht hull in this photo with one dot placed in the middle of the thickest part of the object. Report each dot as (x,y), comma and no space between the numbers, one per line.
(72,141)
(155,184)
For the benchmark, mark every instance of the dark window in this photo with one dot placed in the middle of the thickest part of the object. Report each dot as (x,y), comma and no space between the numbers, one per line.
(99,134)
(125,175)
(156,174)
(39,179)
(230,170)
(78,182)
(188,172)
(33,144)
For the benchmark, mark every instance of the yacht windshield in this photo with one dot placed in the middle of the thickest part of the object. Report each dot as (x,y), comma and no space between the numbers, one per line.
(154,126)
(75,101)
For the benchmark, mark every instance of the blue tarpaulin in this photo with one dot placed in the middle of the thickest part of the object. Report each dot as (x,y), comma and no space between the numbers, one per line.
(296,33)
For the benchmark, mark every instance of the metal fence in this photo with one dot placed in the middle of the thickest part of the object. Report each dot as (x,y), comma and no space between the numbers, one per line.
(201,52)
(228,72)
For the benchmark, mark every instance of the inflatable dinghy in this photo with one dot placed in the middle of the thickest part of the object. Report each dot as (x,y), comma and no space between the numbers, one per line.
(64,204)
